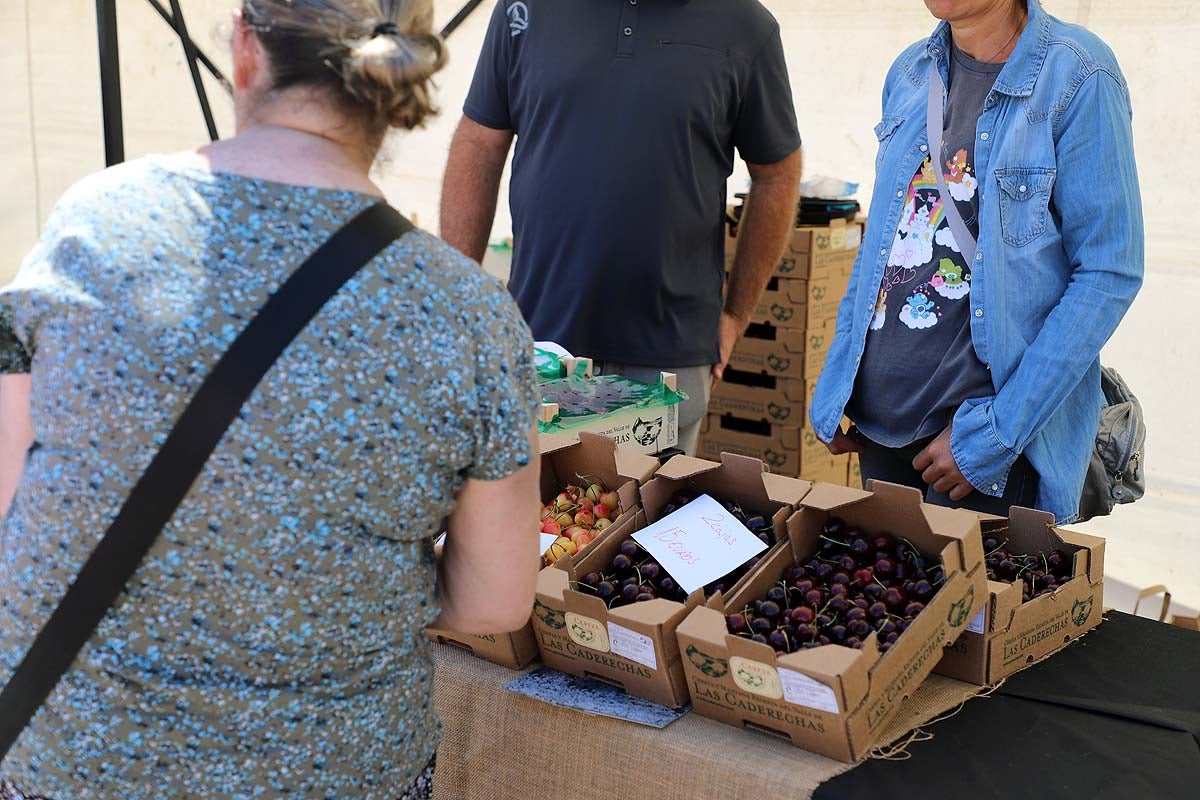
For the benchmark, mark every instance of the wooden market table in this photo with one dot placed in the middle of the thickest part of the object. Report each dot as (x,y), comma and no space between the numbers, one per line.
(1116,714)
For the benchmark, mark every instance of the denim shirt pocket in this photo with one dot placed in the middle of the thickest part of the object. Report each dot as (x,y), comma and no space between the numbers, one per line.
(1024,202)
(883,132)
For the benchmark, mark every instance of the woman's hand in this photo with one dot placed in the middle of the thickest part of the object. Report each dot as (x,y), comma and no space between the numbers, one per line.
(940,470)
(843,443)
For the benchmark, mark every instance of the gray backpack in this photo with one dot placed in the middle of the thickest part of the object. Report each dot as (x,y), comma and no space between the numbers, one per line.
(1116,474)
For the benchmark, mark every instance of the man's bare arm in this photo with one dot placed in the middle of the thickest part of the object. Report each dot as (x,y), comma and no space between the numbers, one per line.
(768,219)
(471,186)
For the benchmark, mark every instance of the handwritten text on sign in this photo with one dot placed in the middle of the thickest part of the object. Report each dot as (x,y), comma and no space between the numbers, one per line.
(699,543)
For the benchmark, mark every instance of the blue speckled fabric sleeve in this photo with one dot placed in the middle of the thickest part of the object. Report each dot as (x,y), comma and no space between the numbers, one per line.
(44,286)
(506,395)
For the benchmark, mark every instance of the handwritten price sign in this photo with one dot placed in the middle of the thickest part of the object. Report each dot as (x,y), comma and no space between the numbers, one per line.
(699,543)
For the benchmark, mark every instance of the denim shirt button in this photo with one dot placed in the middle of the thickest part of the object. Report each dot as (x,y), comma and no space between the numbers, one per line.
(984,136)
(979,312)
(924,148)
(995,487)
(979,256)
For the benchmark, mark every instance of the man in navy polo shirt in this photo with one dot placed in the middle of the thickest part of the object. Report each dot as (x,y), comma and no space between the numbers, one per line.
(626,115)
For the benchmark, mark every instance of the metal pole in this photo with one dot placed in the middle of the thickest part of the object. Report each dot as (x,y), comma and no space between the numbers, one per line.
(110,82)
(204,59)
(460,17)
(189,51)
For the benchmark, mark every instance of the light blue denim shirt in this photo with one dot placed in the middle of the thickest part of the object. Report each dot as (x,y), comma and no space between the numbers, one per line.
(1060,255)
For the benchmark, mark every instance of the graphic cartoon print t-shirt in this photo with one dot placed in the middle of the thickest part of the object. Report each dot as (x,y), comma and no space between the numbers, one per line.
(920,364)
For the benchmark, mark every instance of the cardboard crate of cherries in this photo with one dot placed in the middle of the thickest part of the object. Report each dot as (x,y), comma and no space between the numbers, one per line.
(857,583)
(634,575)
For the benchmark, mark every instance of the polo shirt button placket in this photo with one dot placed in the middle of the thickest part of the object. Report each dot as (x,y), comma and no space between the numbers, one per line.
(625,41)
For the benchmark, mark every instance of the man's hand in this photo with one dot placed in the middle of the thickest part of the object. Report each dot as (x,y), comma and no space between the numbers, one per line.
(729,330)
(940,470)
(843,443)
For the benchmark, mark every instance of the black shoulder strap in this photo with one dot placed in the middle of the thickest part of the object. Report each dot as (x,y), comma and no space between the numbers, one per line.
(178,463)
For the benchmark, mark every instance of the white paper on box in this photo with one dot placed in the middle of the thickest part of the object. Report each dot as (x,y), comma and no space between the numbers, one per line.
(544,542)
(699,543)
(979,624)
(802,690)
(853,237)
(632,645)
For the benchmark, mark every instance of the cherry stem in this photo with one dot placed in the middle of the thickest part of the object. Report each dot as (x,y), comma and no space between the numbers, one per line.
(999,547)
(834,541)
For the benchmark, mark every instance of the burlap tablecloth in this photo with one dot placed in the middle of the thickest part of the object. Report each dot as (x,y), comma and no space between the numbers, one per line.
(499,745)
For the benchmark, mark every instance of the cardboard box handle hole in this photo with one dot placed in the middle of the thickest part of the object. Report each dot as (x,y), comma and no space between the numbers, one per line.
(606,680)
(754,726)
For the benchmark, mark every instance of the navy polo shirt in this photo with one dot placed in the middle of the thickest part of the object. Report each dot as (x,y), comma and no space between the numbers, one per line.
(627,115)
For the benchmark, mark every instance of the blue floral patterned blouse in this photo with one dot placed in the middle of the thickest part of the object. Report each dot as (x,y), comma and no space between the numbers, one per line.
(271,644)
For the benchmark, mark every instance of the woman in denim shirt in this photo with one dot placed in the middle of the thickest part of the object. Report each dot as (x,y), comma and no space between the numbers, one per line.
(975,375)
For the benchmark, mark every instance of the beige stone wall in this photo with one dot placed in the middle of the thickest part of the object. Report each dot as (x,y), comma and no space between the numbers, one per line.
(50,135)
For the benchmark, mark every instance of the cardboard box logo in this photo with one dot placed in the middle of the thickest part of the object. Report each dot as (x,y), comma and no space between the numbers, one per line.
(1082,611)
(549,617)
(708,665)
(778,364)
(774,459)
(961,611)
(587,632)
(778,413)
(756,677)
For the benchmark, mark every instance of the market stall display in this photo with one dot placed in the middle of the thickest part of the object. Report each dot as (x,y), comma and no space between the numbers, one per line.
(827,697)
(637,416)
(583,628)
(760,408)
(577,516)
(591,459)
(1045,589)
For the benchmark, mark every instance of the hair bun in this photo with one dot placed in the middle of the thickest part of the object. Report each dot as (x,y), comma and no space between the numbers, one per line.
(390,73)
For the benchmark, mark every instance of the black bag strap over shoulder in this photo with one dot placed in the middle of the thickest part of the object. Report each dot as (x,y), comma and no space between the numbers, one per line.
(180,460)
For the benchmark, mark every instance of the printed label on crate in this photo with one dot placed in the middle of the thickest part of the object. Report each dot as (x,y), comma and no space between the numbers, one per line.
(632,645)
(699,543)
(587,632)
(756,677)
(802,690)
(979,624)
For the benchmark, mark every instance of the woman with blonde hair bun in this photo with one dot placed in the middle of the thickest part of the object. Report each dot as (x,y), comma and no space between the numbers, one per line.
(270,641)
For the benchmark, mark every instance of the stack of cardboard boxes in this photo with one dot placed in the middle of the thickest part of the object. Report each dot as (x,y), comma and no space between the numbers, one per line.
(760,408)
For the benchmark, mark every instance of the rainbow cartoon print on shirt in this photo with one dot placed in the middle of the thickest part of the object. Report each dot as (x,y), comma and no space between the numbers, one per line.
(926,267)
